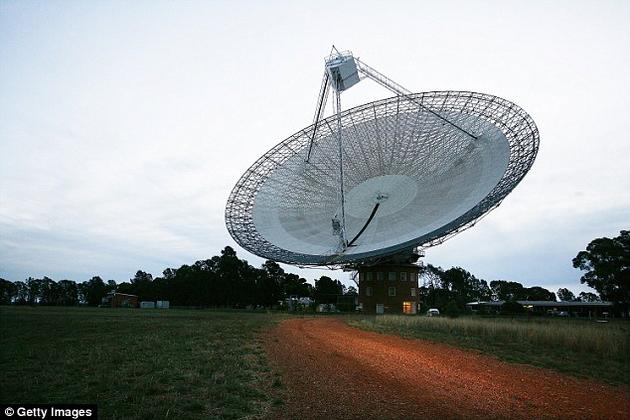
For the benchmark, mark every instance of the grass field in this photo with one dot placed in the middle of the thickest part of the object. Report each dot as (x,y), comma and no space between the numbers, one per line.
(137,363)
(210,364)
(578,347)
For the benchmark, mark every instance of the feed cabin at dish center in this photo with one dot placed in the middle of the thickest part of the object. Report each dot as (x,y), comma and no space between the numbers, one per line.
(391,289)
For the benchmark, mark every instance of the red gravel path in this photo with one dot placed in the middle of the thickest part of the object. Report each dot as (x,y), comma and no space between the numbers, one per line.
(331,370)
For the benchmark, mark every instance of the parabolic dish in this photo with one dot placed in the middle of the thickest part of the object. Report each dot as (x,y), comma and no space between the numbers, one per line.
(429,178)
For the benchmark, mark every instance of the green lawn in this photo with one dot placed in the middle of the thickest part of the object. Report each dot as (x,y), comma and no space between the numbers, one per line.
(137,363)
(577,347)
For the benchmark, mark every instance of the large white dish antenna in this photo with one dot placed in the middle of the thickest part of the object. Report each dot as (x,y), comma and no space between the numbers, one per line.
(416,169)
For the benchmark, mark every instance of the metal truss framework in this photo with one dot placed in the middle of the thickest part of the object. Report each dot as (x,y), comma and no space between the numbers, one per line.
(382,120)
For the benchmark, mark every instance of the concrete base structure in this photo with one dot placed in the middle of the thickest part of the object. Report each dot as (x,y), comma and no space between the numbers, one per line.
(389,289)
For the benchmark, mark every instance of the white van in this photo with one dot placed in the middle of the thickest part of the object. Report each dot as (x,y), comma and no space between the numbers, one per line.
(433,312)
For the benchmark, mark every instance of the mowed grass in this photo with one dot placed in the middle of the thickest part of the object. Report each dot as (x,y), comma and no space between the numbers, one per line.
(578,347)
(137,363)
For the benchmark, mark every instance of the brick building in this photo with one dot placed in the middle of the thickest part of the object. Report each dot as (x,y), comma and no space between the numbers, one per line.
(389,289)
(120,300)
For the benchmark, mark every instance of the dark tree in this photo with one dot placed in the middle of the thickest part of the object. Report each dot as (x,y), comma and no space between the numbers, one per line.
(464,286)
(68,293)
(352,291)
(607,265)
(233,282)
(142,284)
(512,307)
(565,295)
(48,292)
(21,293)
(456,285)
(327,290)
(269,283)
(507,290)
(432,295)
(589,297)
(451,309)
(8,291)
(537,293)
(93,291)
(431,276)
(34,288)
(295,285)
(141,277)
(190,285)
(125,287)
(481,291)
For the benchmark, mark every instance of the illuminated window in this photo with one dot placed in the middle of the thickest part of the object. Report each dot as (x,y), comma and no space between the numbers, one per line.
(379,276)
(392,276)
(413,291)
(408,308)
(403,276)
(391,291)
(368,291)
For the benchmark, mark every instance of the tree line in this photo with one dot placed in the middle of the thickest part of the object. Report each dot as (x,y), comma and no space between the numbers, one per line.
(605,261)
(456,287)
(221,281)
(228,281)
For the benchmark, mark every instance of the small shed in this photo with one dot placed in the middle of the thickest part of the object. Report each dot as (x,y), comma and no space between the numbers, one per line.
(119,300)
(162,304)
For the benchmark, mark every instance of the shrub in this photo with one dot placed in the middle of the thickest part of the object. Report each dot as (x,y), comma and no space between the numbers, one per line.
(451,309)
(512,307)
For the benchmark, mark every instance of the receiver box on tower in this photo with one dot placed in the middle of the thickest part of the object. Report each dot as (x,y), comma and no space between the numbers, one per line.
(342,70)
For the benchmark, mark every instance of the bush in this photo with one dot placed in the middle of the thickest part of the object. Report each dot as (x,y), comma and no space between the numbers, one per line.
(451,309)
(512,307)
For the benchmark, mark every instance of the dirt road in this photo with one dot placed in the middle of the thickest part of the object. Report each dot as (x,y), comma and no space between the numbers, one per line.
(331,370)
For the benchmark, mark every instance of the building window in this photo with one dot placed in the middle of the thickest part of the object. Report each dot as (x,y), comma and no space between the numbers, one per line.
(408,308)
(413,291)
(403,276)
(379,276)
(414,277)
(368,276)
(368,291)
(391,291)
(392,276)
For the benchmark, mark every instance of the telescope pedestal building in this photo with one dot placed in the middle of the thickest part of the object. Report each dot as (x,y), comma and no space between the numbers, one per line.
(389,289)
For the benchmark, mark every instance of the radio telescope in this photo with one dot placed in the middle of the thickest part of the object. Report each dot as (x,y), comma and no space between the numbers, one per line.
(370,184)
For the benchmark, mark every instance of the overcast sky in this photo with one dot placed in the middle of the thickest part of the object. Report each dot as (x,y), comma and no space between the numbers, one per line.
(124,125)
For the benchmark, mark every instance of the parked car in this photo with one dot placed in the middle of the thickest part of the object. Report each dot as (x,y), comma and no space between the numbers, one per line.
(433,312)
